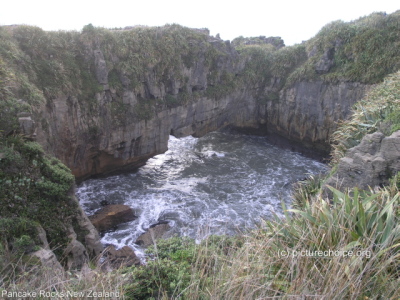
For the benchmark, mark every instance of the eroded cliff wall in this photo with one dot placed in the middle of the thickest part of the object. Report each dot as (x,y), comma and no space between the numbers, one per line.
(103,100)
(100,148)
(308,112)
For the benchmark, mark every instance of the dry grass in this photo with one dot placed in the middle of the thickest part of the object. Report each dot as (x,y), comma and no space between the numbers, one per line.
(379,110)
(53,283)
(270,262)
(263,267)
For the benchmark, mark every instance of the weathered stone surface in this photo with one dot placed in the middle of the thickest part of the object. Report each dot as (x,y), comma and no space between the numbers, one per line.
(92,239)
(369,164)
(76,255)
(48,259)
(123,257)
(111,215)
(155,232)
(93,142)
(308,111)
(27,126)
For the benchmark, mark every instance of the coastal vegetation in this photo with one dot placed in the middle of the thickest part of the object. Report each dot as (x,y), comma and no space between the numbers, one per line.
(345,247)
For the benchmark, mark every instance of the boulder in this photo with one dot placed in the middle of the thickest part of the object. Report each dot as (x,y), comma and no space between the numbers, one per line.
(369,164)
(76,254)
(48,259)
(112,215)
(91,236)
(27,126)
(124,257)
(155,232)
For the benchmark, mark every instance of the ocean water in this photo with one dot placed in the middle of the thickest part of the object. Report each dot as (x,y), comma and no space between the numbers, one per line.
(222,183)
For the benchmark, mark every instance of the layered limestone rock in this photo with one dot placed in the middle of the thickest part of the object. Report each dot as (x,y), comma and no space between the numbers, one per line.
(125,102)
(370,164)
(101,141)
(308,111)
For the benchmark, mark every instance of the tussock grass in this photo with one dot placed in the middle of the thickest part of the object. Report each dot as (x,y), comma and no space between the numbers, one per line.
(263,267)
(51,283)
(379,110)
(278,260)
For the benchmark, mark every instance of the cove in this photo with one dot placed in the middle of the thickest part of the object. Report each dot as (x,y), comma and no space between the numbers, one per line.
(221,183)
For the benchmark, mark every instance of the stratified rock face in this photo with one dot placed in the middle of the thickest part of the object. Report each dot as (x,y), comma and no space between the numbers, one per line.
(110,216)
(127,119)
(104,148)
(370,164)
(308,111)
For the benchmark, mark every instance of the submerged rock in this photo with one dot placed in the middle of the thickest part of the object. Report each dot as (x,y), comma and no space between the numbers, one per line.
(112,215)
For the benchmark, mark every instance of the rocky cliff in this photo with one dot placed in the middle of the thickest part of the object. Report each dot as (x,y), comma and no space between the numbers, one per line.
(104,100)
(308,112)
(371,163)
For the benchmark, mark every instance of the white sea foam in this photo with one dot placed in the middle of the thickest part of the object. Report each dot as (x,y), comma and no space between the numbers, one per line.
(219,184)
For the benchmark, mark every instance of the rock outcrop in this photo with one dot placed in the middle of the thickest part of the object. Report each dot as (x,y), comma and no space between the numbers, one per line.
(48,260)
(112,215)
(154,233)
(129,125)
(84,242)
(370,164)
(121,257)
(91,238)
(308,111)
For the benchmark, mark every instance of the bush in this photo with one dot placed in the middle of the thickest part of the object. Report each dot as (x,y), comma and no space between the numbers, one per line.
(37,189)
(167,273)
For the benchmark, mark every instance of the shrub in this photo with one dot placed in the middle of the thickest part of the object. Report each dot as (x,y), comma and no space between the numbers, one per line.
(168,272)
(37,189)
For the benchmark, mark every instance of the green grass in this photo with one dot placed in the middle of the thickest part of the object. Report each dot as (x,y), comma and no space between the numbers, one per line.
(366,50)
